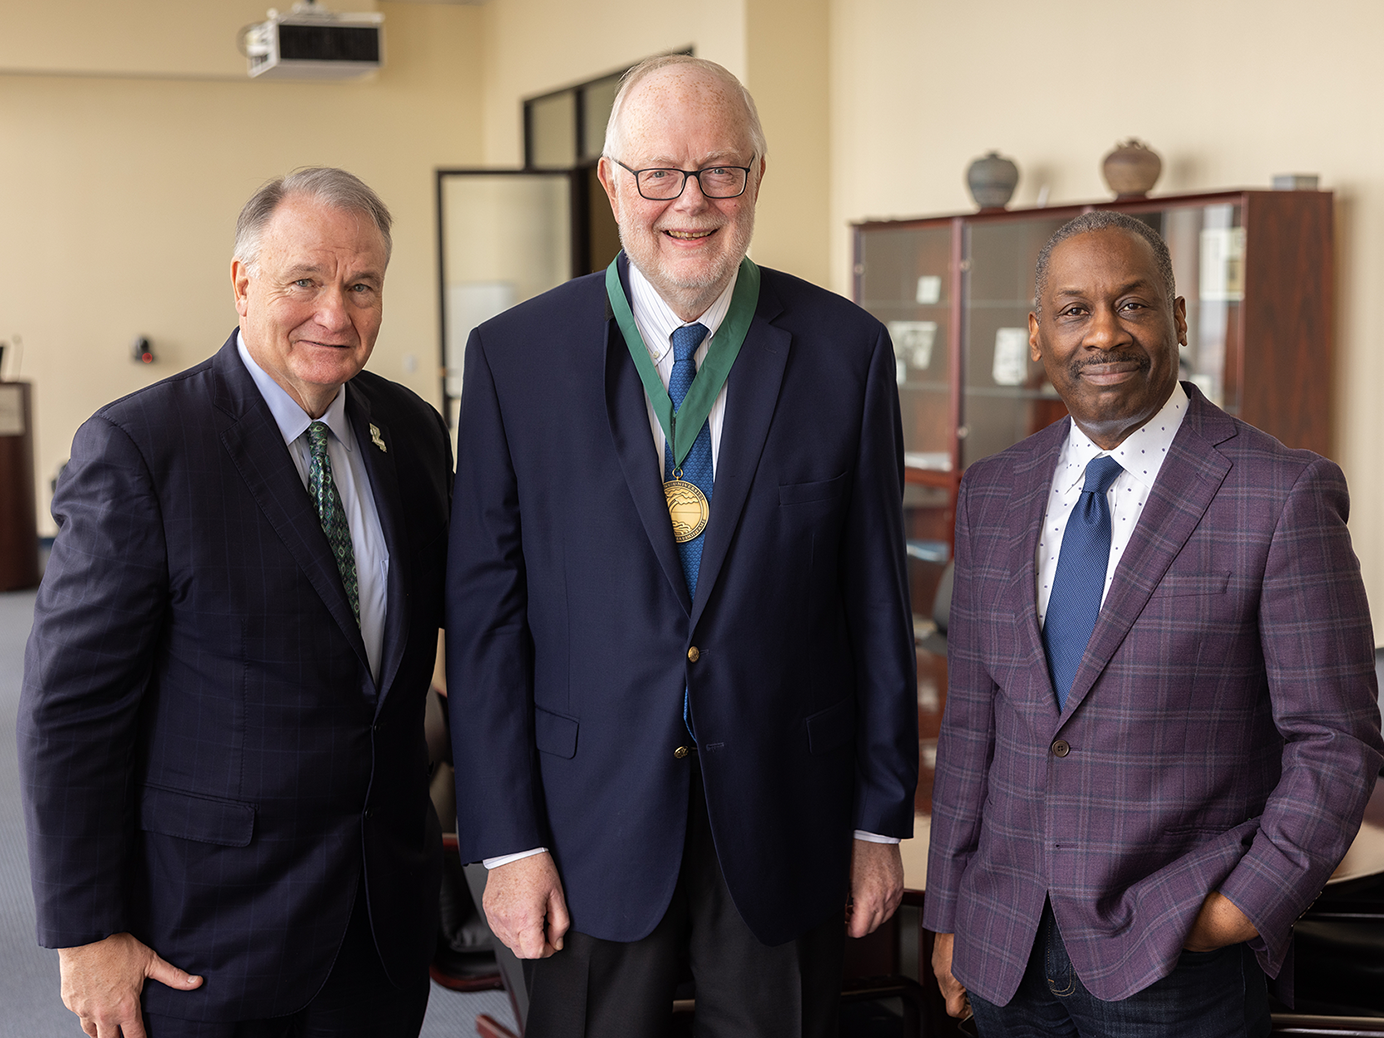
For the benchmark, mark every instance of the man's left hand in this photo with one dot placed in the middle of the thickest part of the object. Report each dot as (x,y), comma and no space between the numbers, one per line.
(876,886)
(1218,924)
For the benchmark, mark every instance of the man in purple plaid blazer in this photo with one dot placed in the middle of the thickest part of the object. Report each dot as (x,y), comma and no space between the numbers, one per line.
(1131,861)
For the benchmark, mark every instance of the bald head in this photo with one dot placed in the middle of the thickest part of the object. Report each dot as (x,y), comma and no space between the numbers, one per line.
(653,82)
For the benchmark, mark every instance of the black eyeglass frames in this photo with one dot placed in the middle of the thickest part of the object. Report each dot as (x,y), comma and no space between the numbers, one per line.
(664,185)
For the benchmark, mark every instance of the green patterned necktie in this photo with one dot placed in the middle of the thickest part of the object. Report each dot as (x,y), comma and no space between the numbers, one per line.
(322,487)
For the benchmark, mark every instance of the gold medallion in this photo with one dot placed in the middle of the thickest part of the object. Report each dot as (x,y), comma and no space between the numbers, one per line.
(687,507)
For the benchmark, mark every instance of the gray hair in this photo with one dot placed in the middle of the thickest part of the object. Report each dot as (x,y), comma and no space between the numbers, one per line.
(334,188)
(632,78)
(1104,220)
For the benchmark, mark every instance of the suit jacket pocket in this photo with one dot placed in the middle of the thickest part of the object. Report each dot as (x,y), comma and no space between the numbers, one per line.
(554,733)
(832,728)
(1179,584)
(819,490)
(194,816)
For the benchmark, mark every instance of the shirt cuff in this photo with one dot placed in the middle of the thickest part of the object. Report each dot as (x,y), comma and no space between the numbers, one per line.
(505,859)
(861,834)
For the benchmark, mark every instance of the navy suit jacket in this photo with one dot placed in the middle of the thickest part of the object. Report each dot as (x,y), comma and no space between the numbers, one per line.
(571,631)
(207,762)
(1221,732)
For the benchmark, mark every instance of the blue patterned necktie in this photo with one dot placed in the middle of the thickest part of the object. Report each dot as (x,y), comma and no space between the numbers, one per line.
(1079,582)
(322,487)
(696,467)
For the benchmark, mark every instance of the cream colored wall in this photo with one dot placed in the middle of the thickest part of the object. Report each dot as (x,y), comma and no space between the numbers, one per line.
(535,46)
(787,51)
(119,192)
(183,38)
(1229,93)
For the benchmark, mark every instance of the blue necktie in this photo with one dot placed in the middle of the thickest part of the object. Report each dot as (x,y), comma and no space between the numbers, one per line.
(696,467)
(1080,579)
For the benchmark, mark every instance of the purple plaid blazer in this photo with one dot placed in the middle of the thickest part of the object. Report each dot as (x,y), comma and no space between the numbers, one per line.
(1222,731)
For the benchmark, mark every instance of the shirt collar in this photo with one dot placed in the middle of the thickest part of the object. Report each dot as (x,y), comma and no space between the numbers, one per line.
(652,311)
(1140,454)
(291,419)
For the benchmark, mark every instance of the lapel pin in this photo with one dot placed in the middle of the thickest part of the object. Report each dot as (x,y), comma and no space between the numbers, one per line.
(375,438)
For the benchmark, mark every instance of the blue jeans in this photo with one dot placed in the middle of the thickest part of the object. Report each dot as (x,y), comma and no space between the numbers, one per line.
(1218,994)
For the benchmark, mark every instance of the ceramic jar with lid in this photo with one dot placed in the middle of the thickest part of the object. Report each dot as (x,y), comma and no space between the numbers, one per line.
(1132,169)
(992,180)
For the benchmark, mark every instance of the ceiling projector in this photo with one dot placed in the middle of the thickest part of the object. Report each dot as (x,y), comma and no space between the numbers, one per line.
(311,42)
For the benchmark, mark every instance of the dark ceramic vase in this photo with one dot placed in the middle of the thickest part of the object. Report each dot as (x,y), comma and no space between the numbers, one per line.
(992,180)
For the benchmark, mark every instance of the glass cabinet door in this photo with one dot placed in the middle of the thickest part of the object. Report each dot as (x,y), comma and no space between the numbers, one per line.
(905,282)
(1207,244)
(1006,395)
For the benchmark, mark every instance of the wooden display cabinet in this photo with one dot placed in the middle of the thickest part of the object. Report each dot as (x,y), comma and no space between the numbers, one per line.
(1256,270)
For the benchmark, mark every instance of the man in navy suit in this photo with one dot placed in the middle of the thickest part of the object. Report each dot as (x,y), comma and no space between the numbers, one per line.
(680,652)
(221,727)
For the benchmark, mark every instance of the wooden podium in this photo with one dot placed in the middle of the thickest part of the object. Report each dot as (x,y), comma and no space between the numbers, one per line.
(18,528)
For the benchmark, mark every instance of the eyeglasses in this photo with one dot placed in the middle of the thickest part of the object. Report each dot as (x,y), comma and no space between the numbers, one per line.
(663,185)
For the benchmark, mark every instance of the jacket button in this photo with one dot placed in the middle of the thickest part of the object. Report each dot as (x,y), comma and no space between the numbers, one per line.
(1061,748)
(368,812)
(680,752)
(693,654)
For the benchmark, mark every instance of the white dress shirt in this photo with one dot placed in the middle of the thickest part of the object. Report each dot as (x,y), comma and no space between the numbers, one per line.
(352,485)
(1140,455)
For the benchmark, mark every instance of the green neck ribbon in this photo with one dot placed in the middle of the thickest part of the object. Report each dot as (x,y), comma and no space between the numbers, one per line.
(682,425)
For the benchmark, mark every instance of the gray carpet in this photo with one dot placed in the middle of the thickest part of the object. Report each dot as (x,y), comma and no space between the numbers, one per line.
(29,1003)
(28,973)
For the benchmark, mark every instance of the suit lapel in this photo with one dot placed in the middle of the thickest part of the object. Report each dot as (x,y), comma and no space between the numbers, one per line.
(1032,474)
(384,485)
(751,395)
(252,439)
(628,413)
(1186,484)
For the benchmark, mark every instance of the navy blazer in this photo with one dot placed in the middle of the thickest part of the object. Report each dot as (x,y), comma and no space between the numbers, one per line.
(1221,732)
(571,631)
(207,762)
